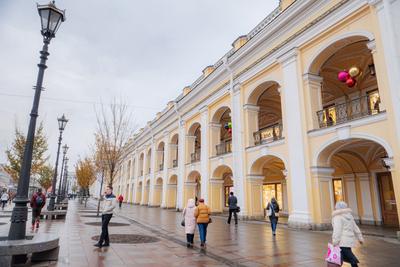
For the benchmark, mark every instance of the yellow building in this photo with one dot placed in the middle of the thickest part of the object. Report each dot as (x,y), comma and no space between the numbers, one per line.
(271,118)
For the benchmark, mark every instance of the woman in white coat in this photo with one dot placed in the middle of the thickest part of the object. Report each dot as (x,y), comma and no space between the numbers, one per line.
(190,221)
(345,232)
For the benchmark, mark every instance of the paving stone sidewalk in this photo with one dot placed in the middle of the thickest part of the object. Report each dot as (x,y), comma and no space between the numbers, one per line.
(248,244)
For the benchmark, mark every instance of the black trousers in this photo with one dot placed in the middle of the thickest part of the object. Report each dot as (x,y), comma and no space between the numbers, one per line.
(348,256)
(190,238)
(234,215)
(36,214)
(105,219)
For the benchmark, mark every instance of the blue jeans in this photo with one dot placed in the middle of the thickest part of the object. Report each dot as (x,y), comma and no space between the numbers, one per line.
(274,222)
(203,232)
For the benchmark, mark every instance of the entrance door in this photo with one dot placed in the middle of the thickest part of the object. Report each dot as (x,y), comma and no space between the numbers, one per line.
(388,200)
(270,191)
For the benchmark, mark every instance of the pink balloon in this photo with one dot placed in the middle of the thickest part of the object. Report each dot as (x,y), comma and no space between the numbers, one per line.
(343,76)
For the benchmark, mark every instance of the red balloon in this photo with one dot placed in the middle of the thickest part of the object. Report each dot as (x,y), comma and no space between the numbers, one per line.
(350,82)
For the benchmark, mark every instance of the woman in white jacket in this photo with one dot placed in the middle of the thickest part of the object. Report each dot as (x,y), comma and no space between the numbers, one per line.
(190,221)
(345,232)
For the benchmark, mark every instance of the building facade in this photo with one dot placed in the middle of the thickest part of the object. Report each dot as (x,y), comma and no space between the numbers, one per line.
(272,119)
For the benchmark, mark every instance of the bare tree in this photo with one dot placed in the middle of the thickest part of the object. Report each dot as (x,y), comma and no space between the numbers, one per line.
(114,128)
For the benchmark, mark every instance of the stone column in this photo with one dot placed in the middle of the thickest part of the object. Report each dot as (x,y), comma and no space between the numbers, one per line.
(136,177)
(152,172)
(181,164)
(313,91)
(204,161)
(215,136)
(323,196)
(255,205)
(251,122)
(301,212)
(216,196)
(165,170)
(144,176)
(285,200)
(367,216)
(351,193)
(238,147)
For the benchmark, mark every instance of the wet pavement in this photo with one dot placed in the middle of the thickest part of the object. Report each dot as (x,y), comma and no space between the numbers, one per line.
(248,244)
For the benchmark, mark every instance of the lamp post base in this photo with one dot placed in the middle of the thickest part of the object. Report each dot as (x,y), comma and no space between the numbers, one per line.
(51,203)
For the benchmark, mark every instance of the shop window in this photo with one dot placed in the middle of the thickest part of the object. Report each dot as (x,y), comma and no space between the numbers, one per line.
(373,102)
(337,190)
(270,191)
(228,190)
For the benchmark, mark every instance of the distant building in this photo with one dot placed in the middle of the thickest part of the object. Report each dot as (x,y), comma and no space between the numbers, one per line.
(5,179)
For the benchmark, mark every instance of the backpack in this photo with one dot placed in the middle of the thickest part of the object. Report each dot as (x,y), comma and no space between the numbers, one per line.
(39,201)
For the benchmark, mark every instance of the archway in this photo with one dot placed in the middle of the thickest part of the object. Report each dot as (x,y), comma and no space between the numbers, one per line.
(194,143)
(141,164)
(171,192)
(333,101)
(354,171)
(148,162)
(221,185)
(268,180)
(264,113)
(221,131)
(160,156)
(157,195)
(138,195)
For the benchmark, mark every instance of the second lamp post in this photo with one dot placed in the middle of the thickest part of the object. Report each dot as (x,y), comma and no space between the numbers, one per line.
(62,122)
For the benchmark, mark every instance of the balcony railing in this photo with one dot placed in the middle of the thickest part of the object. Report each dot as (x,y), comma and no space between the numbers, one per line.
(347,111)
(174,163)
(224,148)
(195,157)
(161,167)
(268,134)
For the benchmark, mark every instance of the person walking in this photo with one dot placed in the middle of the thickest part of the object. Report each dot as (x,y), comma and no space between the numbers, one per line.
(202,215)
(38,201)
(232,203)
(109,204)
(120,199)
(345,233)
(190,221)
(4,199)
(273,214)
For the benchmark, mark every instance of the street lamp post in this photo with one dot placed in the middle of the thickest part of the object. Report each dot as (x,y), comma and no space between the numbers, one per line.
(65,177)
(62,122)
(65,149)
(51,18)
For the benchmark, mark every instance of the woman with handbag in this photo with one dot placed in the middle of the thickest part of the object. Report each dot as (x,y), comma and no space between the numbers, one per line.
(202,215)
(345,233)
(273,214)
(189,222)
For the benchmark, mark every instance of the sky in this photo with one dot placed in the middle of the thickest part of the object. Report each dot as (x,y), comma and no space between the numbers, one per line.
(143,52)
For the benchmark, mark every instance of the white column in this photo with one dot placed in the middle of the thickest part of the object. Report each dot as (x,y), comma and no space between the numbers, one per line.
(285,203)
(351,194)
(300,213)
(238,147)
(135,175)
(204,153)
(389,25)
(181,164)
(152,172)
(144,176)
(367,216)
(165,170)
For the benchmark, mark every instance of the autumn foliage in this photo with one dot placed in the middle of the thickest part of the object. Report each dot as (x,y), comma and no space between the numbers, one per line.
(85,173)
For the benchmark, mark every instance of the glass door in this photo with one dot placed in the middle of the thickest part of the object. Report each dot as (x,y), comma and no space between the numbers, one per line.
(270,191)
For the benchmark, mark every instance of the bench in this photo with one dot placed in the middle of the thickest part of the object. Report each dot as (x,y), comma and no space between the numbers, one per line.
(61,206)
(43,247)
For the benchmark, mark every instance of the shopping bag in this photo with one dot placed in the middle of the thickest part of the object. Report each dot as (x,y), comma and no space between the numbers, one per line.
(333,255)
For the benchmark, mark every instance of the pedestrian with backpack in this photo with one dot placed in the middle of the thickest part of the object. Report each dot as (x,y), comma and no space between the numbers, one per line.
(38,201)
(273,214)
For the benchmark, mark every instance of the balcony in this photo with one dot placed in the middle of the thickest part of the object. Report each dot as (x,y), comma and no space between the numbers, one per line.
(350,110)
(174,163)
(161,167)
(268,134)
(195,157)
(224,148)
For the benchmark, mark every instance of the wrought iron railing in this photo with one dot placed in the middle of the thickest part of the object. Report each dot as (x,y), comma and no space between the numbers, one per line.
(194,157)
(347,111)
(224,148)
(268,134)
(174,163)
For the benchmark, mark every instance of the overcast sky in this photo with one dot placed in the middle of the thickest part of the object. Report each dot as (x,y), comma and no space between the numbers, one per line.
(143,51)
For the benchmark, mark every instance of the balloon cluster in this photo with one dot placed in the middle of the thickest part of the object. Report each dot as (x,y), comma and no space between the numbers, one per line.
(349,77)
(228,126)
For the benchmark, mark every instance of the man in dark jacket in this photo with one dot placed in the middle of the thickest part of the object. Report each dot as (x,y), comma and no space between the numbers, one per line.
(232,203)
(38,201)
